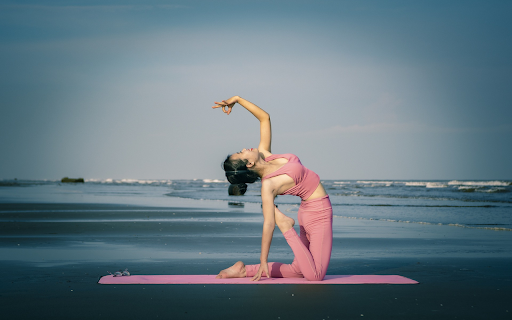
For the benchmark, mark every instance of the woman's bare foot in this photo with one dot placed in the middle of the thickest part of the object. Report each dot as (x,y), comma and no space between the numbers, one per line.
(283,222)
(235,271)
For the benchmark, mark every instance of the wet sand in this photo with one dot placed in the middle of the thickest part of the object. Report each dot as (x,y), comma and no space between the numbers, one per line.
(52,255)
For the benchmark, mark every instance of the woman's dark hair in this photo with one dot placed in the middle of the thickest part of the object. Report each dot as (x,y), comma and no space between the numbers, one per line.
(237,171)
(237,189)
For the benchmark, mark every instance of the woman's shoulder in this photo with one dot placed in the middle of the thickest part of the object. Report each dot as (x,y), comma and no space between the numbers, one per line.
(265,154)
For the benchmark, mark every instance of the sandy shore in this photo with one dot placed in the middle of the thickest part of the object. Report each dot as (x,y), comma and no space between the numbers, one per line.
(53,254)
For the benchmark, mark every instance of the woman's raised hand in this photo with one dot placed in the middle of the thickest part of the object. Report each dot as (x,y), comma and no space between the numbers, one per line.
(226,103)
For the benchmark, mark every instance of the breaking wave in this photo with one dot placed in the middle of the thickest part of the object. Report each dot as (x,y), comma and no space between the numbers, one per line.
(480,183)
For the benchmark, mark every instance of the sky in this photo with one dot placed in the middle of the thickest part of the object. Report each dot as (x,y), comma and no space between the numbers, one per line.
(357,89)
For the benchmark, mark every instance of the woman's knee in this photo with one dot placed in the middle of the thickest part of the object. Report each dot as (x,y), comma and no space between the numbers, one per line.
(315,277)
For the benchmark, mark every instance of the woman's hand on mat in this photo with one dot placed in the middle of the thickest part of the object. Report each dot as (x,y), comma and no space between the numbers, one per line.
(226,103)
(263,268)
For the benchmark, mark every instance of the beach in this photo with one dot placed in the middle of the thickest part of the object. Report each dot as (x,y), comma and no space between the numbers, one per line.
(122,121)
(53,252)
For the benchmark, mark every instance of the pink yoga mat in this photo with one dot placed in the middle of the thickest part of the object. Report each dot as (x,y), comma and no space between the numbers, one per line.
(210,279)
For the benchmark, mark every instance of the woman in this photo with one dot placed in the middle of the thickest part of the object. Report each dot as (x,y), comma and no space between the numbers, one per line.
(282,174)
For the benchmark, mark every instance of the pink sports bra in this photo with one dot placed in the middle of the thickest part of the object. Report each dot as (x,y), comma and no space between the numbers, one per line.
(306,181)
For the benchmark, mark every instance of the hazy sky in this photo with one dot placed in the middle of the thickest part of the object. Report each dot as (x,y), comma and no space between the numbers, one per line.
(357,89)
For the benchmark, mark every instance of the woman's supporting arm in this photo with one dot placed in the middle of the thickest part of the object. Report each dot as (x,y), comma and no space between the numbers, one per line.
(269,223)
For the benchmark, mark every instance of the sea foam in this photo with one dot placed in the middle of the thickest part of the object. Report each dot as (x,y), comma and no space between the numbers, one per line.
(214,181)
(480,183)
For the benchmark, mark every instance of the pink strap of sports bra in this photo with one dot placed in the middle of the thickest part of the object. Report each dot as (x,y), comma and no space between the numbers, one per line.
(278,172)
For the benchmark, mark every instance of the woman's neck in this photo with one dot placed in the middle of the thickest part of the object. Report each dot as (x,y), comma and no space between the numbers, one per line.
(264,168)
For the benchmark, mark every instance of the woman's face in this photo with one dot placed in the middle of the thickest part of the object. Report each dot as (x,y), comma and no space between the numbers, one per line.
(251,155)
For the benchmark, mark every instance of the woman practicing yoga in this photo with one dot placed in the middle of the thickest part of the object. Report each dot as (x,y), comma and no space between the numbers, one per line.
(282,174)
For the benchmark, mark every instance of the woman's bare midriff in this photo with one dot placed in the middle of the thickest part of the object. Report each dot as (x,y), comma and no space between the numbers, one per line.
(319,193)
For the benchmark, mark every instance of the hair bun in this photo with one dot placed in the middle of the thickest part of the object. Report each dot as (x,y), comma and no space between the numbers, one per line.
(237,189)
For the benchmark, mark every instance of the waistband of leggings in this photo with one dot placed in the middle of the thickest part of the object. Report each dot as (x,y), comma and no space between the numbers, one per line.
(313,201)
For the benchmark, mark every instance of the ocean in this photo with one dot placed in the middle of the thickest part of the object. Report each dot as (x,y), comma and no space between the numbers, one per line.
(457,203)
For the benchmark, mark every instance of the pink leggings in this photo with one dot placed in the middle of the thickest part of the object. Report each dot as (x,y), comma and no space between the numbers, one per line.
(312,250)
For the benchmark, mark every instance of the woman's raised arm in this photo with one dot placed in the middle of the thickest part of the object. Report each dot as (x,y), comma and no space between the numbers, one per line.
(260,114)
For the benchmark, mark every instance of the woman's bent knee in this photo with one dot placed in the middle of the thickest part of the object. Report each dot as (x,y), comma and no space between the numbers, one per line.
(315,277)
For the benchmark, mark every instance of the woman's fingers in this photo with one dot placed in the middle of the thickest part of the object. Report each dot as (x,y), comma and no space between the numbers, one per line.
(223,105)
(223,108)
(261,269)
(219,104)
(229,105)
(256,277)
